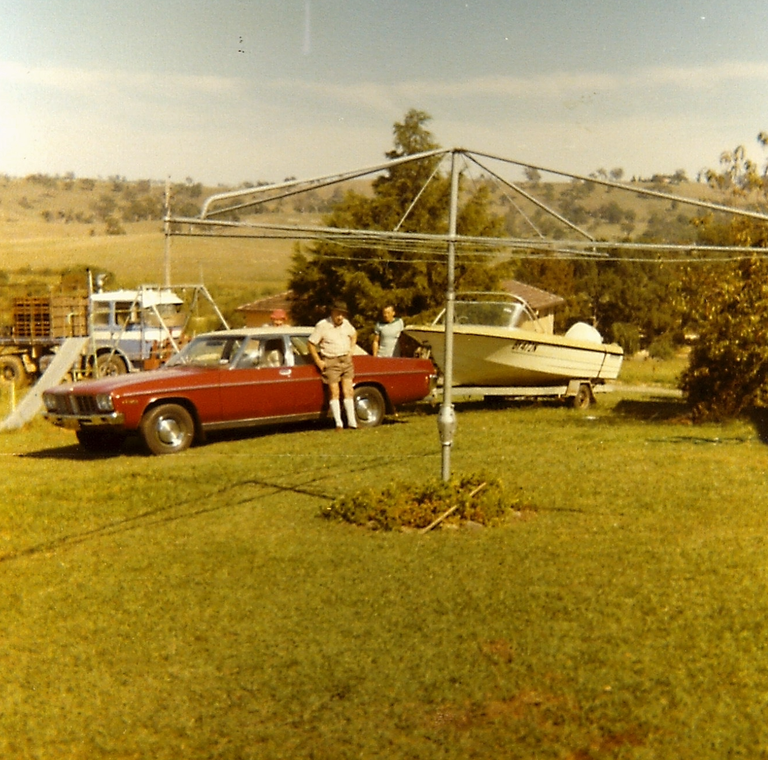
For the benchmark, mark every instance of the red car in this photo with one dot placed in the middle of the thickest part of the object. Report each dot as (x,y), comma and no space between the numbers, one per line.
(228,379)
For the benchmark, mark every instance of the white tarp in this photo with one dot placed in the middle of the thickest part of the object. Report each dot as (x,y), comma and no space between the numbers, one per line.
(68,353)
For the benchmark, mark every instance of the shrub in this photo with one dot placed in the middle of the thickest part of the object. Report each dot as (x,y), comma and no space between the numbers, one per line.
(114,227)
(662,347)
(477,498)
(728,367)
(627,336)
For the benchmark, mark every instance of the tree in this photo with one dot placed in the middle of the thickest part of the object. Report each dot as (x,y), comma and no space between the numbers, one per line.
(532,175)
(411,197)
(739,174)
(727,372)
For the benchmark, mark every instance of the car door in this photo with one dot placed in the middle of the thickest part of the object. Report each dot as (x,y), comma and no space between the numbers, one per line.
(264,382)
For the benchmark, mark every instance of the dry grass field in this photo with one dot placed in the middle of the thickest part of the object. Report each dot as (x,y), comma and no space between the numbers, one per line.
(50,226)
(53,223)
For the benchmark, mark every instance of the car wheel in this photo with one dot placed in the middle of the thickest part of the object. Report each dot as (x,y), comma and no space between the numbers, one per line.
(369,406)
(12,370)
(110,364)
(168,429)
(100,441)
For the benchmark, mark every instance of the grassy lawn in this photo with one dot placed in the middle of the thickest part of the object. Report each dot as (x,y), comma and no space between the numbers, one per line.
(652,372)
(197,606)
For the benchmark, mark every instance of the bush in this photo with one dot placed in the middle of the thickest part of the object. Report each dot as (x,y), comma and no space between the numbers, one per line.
(627,336)
(662,348)
(728,366)
(477,498)
(114,227)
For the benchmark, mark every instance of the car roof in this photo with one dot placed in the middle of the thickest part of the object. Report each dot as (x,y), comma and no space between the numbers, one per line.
(266,331)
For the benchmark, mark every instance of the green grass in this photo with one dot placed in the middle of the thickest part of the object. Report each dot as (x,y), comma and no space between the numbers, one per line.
(652,371)
(197,606)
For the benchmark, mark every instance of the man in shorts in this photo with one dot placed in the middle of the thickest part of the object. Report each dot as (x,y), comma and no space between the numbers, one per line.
(331,345)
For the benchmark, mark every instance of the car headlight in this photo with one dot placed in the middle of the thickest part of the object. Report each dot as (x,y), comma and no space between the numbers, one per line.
(104,402)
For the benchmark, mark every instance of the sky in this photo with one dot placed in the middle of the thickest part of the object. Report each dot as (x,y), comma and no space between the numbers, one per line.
(232,91)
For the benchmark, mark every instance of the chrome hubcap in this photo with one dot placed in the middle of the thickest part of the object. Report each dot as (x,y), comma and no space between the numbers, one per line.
(169,431)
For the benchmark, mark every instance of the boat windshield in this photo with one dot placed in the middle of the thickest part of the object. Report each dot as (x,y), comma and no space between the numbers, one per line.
(486,314)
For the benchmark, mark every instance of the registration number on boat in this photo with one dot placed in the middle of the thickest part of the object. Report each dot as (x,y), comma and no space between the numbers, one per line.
(526,346)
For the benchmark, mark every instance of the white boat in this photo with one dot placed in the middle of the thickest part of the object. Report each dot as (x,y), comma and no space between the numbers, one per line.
(503,343)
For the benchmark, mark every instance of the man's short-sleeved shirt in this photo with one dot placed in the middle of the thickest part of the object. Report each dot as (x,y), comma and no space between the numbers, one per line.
(332,340)
(389,336)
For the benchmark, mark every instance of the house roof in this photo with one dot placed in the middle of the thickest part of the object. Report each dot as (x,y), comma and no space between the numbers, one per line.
(535,297)
(277,301)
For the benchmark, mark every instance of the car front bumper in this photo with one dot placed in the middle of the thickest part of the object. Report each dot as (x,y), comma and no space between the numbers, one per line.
(83,421)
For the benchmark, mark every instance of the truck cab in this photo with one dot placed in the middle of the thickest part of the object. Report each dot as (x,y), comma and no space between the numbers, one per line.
(130,326)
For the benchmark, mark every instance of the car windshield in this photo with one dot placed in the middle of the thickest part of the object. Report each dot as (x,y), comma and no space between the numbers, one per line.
(207,351)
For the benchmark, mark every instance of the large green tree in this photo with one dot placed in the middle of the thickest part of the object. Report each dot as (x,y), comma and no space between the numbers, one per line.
(727,372)
(410,197)
(634,303)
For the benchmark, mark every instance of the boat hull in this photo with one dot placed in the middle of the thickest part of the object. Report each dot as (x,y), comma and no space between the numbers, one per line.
(488,356)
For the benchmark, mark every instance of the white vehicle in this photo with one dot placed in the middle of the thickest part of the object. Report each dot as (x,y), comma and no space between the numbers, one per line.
(130,327)
(115,331)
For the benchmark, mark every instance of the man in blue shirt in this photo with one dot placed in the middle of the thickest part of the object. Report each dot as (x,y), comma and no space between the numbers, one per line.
(386,334)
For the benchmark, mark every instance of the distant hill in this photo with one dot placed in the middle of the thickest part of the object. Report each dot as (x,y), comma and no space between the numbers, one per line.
(48,224)
(45,206)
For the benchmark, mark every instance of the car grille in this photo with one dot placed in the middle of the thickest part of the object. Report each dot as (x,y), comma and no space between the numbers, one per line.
(76,405)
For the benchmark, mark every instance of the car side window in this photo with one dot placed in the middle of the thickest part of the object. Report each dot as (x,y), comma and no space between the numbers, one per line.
(249,358)
(272,353)
(300,350)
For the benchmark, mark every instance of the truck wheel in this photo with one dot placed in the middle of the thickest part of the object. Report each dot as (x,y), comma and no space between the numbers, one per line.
(100,441)
(369,406)
(12,370)
(167,429)
(583,397)
(108,365)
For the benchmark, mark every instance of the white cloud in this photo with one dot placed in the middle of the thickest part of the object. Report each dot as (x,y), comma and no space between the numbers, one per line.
(89,81)
(556,85)
(219,128)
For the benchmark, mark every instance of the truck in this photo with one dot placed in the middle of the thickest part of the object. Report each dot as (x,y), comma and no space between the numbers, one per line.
(126,331)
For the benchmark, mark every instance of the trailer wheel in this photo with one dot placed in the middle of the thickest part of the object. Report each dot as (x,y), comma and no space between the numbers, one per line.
(168,429)
(583,397)
(110,364)
(369,406)
(12,370)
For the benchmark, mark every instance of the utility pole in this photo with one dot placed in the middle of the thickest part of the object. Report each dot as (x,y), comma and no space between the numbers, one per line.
(446,418)
(167,229)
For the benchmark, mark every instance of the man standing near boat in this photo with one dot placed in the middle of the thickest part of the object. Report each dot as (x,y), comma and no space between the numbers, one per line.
(331,345)
(386,334)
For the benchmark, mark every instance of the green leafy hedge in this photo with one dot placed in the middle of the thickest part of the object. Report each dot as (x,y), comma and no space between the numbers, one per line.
(477,498)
